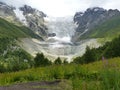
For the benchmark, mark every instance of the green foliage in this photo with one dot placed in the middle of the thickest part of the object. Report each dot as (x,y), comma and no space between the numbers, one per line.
(10,30)
(93,76)
(40,60)
(79,60)
(113,50)
(108,50)
(110,79)
(12,57)
(65,62)
(88,56)
(58,61)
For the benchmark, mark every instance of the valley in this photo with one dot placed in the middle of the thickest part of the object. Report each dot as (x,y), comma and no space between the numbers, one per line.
(59,45)
(79,51)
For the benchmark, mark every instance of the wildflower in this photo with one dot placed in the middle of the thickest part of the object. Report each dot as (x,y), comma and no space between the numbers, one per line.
(105,61)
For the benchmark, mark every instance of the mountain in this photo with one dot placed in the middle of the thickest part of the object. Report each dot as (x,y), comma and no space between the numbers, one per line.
(25,16)
(34,31)
(7,13)
(96,23)
(12,31)
(9,30)
(34,19)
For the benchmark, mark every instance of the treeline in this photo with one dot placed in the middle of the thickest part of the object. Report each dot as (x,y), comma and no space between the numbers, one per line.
(108,50)
(13,58)
(21,60)
(40,61)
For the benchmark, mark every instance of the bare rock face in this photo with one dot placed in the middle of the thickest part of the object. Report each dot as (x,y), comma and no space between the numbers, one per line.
(31,17)
(35,20)
(7,12)
(92,17)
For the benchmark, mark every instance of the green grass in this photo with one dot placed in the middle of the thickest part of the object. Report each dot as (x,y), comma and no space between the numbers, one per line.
(100,75)
(10,30)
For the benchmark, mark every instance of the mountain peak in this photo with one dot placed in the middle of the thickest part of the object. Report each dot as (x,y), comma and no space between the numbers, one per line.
(95,9)
(4,5)
(91,18)
(29,10)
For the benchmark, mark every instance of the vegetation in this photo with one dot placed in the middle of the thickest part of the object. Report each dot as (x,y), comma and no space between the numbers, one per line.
(85,73)
(109,29)
(40,60)
(58,61)
(10,30)
(100,75)
(109,50)
(12,57)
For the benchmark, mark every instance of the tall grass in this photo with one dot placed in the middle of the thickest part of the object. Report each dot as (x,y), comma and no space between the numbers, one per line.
(93,76)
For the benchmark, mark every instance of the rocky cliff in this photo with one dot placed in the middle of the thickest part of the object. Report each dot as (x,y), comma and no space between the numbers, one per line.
(34,19)
(7,12)
(91,18)
(26,16)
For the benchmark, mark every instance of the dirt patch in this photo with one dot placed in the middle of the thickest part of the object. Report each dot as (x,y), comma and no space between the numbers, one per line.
(44,85)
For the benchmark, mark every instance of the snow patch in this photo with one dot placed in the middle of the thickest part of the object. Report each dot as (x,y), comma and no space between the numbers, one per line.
(62,40)
(20,15)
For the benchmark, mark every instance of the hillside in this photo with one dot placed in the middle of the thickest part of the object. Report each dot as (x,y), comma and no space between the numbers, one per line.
(97,22)
(10,30)
(108,29)
(24,16)
(12,56)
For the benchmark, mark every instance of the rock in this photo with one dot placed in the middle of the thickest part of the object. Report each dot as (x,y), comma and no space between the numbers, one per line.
(35,20)
(7,12)
(51,35)
(90,19)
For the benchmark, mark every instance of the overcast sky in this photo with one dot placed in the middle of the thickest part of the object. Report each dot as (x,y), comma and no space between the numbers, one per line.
(61,8)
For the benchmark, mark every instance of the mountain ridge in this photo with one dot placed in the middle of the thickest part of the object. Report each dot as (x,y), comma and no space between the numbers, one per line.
(90,19)
(25,16)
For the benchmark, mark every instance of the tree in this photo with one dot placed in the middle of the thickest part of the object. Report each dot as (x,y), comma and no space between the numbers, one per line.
(40,60)
(113,50)
(79,60)
(89,55)
(65,62)
(58,61)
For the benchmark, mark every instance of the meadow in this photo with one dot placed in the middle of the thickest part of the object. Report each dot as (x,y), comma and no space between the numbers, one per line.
(99,75)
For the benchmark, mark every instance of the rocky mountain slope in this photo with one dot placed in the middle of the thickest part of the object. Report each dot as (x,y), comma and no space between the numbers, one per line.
(34,19)
(7,12)
(11,35)
(89,20)
(25,16)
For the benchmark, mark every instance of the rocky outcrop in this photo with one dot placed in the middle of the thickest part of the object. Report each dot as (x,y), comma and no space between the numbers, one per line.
(90,19)
(35,20)
(26,15)
(7,12)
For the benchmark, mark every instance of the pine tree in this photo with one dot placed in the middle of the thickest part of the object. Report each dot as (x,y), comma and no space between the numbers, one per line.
(40,60)
(89,55)
(58,61)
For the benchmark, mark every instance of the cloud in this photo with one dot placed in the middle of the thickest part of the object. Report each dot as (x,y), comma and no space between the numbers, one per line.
(61,8)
